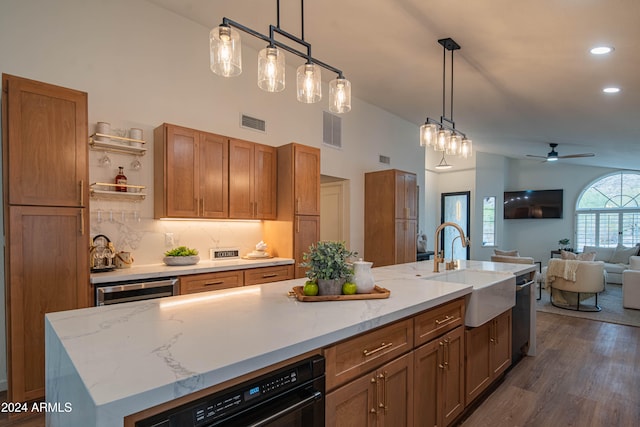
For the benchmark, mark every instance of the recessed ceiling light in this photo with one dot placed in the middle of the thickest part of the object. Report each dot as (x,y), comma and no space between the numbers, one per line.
(611,90)
(601,50)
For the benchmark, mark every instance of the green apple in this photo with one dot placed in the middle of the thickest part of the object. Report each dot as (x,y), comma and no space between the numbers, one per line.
(349,288)
(310,288)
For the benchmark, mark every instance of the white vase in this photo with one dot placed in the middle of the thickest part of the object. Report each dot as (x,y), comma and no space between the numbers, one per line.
(363,277)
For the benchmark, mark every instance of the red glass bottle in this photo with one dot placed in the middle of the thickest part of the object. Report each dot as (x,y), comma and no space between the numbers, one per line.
(121,179)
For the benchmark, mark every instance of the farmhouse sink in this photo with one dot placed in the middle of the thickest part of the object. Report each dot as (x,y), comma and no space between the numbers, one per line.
(493,293)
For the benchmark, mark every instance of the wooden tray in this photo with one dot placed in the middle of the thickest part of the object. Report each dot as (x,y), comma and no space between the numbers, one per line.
(378,293)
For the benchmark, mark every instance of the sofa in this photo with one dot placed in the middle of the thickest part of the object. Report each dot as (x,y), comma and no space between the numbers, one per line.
(616,260)
(631,284)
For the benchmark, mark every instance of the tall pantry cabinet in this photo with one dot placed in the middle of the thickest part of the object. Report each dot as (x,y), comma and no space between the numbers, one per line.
(298,222)
(45,173)
(390,217)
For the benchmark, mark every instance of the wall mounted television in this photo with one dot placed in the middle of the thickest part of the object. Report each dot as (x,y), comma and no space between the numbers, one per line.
(533,204)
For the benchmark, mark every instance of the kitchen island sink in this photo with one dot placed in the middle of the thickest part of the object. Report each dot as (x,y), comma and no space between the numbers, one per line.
(493,292)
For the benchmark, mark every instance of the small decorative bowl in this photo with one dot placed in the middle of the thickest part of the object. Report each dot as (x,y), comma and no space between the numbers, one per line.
(181,260)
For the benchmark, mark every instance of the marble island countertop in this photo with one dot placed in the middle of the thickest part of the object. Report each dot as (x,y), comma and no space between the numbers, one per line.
(112,361)
(154,271)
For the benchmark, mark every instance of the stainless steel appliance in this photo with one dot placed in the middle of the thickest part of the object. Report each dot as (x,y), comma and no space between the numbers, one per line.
(135,290)
(291,396)
(521,318)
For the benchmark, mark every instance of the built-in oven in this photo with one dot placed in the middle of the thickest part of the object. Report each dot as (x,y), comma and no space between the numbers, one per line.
(135,290)
(292,396)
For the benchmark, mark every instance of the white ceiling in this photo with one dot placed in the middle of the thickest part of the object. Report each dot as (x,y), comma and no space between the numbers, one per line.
(523,78)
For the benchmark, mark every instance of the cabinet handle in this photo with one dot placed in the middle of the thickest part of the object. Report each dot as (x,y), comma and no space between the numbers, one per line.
(445,320)
(383,345)
(445,358)
(491,333)
(219,282)
(374,410)
(267,276)
(82,222)
(441,354)
(82,192)
(495,332)
(382,403)
(406,212)
(297,204)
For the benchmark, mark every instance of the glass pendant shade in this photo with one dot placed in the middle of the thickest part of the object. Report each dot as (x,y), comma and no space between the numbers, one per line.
(225,51)
(453,145)
(428,133)
(442,140)
(466,148)
(309,83)
(271,68)
(339,95)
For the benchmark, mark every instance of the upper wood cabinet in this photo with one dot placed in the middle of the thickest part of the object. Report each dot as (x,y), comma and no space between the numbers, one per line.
(298,181)
(390,216)
(46,142)
(253,180)
(191,173)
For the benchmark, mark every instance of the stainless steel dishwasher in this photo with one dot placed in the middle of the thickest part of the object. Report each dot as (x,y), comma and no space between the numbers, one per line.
(521,318)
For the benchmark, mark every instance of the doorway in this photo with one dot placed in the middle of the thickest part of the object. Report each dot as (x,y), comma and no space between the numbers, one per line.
(455,207)
(334,209)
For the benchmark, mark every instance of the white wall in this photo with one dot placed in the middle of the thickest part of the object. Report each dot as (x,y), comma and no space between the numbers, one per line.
(490,178)
(142,66)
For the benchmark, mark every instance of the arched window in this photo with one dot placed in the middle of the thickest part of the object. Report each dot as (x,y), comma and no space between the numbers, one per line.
(608,211)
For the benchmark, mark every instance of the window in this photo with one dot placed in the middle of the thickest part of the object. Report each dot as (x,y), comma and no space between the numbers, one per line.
(489,221)
(608,211)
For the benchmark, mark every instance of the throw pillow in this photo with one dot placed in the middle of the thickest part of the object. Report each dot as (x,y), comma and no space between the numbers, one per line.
(622,254)
(587,256)
(506,253)
(602,254)
(568,255)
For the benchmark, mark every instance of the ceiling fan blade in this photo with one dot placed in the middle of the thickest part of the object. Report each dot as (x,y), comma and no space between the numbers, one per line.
(537,157)
(573,156)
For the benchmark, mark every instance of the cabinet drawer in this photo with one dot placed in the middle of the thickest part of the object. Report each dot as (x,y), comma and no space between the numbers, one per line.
(255,276)
(210,281)
(438,320)
(353,357)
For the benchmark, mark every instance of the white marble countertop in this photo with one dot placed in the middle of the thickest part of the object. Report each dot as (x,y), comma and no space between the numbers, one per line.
(153,271)
(115,360)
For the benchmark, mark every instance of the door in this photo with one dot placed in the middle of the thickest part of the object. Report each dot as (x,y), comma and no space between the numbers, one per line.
(455,207)
(334,212)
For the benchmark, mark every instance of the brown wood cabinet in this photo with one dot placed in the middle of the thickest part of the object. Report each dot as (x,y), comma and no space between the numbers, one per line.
(253,180)
(45,158)
(487,354)
(298,223)
(191,173)
(204,282)
(381,398)
(256,276)
(390,217)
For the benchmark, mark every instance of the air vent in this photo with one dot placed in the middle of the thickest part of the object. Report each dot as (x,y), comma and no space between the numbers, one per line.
(331,130)
(384,159)
(249,122)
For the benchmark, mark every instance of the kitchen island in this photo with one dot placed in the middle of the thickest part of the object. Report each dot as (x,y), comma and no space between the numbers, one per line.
(109,362)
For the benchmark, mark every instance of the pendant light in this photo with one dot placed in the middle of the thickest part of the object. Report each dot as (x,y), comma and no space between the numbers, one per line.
(224,46)
(271,66)
(442,134)
(443,163)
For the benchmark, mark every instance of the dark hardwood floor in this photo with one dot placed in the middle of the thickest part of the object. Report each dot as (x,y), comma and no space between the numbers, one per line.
(586,373)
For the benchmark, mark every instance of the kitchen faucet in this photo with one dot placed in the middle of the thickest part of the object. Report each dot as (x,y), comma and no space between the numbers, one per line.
(438,258)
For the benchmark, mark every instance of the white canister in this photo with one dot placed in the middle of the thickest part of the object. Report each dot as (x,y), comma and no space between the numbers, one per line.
(105,129)
(363,277)
(124,260)
(135,133)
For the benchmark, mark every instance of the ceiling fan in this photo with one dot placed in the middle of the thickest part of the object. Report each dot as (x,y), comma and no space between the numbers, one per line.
(552,156)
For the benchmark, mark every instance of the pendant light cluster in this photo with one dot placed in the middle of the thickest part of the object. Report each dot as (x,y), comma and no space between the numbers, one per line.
(442,134)
(226,60)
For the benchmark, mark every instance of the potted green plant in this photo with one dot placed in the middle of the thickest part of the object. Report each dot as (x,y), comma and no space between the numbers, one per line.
(328,266)
(181,255)
(564,243)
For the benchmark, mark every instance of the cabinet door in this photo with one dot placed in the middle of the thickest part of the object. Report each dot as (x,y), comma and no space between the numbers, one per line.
(405,244)
(427,394)
(501,355)
(395,392)
(306,231)
(48,272)
(241,173)
(406,193)
(478,369)
(182,161)
(210,281)
(255,276)
(453,376)
(47,144)
(265,181)
(353,405)
(307,180)
(214,175)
